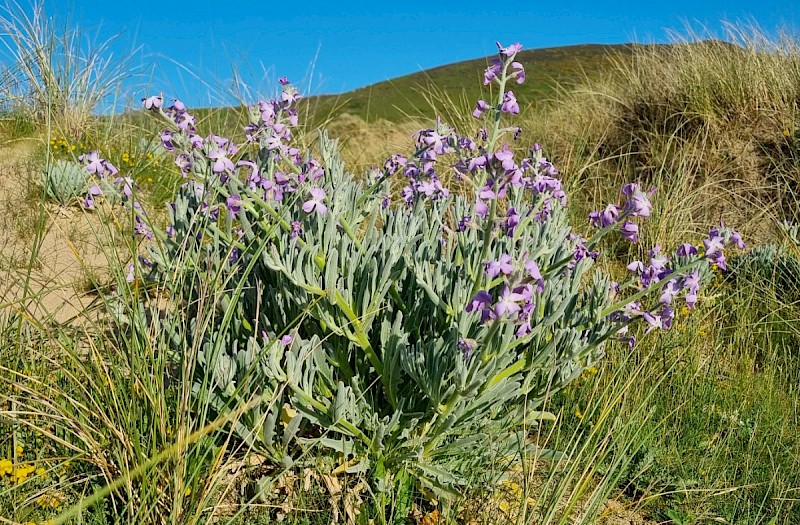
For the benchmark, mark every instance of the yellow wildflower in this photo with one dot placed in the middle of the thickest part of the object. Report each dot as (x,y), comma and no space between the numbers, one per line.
(20,450)
(22,472)
(6,467)
(188,491)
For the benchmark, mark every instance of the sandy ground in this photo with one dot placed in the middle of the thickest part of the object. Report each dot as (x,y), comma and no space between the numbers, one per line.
(66,256)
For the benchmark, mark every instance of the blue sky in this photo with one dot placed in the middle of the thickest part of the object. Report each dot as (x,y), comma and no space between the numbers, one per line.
(333,46)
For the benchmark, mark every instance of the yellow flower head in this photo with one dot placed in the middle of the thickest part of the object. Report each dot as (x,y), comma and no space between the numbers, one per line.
(6,467)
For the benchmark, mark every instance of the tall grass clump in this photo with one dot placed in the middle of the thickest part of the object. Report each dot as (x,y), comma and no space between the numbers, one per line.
(53,70)
(719,116)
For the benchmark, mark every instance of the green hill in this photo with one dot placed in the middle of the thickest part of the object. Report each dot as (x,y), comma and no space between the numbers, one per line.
(547,71)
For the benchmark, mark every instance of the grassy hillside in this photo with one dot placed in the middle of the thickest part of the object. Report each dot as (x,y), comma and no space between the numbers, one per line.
(548,71)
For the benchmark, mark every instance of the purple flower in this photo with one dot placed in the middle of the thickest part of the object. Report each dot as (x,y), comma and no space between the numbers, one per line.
(315,202)
(408,194)
(630,231)
(127,185)
(604,218)
(508,303)
(222,163)
(481,107)
(394,163)
(512,221)
(437,142)
(283,81)
(234,204)
(432,188)
(184,163)
(655,271)
(658,261)
(714,246)
(546,184)
(536,275)
(636,267)
(509,103)
(476,163)
(638,202)
(297,230)
(481,302)
(669,291)
(519,72)
(653,321)
(153,102)
(166,140)
(685,250)
(482,195)
(286,340)
(492,71)
(581,251)
(467,346)
(509,51)
(502,265)
(667,316)
(737,240)
(692,284)
(94,163)
(94,191)
(313,170)
(141,228)
(505,157)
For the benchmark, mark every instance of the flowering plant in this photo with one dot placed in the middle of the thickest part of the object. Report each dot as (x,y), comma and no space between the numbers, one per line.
(417,332)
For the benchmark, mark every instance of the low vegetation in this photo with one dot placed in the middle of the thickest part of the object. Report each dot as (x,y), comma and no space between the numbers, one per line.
(434,327)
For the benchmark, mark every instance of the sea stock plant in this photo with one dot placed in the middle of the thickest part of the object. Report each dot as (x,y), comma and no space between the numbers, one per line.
(415,328)
(64,181)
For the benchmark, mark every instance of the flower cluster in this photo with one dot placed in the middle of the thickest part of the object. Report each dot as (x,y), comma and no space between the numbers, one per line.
(516,299)
(20,472)
(637,204)
(106,179)
(660,272)
(211,162)
(502,69)
(533,173)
